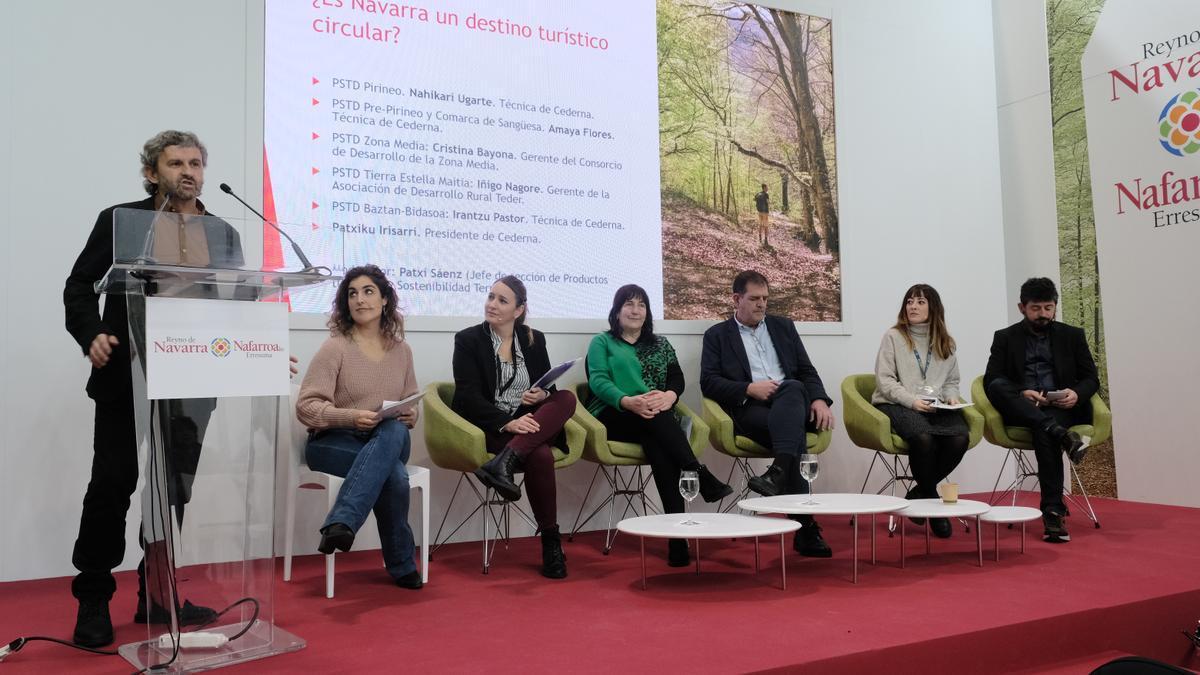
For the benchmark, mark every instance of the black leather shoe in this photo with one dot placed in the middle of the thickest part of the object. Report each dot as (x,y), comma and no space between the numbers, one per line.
(772,482)
(1056,531)
(497,473)
(336,537)
(188,614)
(677,553)
(940,527)
(93,625)
(1074,446)
(809,543)
(554,562)
(711,487)
(411,581)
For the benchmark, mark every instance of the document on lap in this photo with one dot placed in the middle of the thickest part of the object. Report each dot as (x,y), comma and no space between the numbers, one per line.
(554,373)
(942,405)
(397,408)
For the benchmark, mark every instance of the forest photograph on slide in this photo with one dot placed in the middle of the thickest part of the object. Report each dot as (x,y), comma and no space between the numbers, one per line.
(749,165)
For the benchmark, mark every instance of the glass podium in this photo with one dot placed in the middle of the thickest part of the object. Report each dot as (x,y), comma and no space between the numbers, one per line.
(208,502)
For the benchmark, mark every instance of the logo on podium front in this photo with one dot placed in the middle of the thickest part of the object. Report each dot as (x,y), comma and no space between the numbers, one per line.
(215,348)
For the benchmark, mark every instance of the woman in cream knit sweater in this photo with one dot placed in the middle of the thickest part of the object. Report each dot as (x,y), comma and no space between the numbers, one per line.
(916,365)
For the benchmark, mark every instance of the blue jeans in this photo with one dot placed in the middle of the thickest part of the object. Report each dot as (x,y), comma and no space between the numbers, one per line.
(372,462)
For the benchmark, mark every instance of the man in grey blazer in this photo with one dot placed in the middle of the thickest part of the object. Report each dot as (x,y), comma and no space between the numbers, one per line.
(755,367)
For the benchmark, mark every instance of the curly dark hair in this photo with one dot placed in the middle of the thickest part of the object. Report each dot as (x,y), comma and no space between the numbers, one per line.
(391,321)
(1038,289)
(624,294)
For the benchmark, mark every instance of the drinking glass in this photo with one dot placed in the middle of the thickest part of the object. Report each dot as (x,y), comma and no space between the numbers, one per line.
(689,487)
(809,468)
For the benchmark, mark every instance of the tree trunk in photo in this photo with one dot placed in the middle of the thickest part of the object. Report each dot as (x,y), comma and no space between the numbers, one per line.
(808,126)
(783,193)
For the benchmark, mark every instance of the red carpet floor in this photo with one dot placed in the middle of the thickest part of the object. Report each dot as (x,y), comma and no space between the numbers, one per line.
(1127,588)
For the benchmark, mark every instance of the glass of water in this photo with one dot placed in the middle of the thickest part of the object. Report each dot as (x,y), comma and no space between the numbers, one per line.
(808,471)
(689,487)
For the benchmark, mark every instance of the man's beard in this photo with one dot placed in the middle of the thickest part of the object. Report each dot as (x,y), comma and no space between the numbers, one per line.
(1039,324)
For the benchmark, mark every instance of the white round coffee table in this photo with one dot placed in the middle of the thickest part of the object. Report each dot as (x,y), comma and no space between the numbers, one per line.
(711,526)
(831,504)
(1007,515)
(936,508)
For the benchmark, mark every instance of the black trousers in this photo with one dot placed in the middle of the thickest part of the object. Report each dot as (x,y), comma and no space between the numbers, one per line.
(779,423)
(100,545)
(666,447)
(1019,411)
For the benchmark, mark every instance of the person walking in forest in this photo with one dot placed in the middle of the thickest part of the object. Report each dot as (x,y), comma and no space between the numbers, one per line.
(762,204)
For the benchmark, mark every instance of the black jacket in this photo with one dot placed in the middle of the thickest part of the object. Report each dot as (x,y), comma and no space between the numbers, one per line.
(475,373)
(1073,364)
(725,368)
(82,303)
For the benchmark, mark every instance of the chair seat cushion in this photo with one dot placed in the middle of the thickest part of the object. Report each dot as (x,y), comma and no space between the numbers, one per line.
(749,448)
(627,450)
(1024,436)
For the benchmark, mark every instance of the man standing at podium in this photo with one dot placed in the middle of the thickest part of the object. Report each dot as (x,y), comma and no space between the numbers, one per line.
(173,165)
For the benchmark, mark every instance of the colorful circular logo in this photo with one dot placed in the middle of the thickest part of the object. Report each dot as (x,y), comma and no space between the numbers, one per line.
(220,347)
(1179,124)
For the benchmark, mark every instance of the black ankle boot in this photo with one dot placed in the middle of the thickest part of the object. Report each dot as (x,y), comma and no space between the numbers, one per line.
(497,474)
(554,561)
(93,625)
(777,479)
(711,487)
(336,537)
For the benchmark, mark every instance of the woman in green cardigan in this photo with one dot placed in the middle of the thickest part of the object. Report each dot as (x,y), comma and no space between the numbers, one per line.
(635,380)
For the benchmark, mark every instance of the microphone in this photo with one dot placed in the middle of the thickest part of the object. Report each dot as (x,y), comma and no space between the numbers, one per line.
(148,243)
(308,266)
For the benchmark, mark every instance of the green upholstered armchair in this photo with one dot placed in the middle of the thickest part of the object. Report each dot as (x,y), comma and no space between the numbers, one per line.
(869,428)
(741,448)
(1018,439)
(611,456)
(456,444)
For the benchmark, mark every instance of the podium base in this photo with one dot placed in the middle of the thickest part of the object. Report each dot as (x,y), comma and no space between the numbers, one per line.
(261,641)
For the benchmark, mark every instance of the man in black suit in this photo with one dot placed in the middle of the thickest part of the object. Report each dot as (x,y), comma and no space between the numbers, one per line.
(754,365)
(173,165)
(1041,375)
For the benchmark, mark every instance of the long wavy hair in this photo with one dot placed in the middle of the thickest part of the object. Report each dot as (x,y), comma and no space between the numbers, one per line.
(623,295)
(391,321)
(939,336)
(522,299)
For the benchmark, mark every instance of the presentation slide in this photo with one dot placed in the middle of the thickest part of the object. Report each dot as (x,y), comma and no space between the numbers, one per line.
(455,142)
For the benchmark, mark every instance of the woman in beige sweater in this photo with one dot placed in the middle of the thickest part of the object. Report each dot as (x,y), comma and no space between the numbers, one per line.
(364,362)
(915,367)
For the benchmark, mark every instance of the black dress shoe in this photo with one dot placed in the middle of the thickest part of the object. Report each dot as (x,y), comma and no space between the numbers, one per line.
(677,553)
(1074,446)
(940,527)
(497,473)
(771,483)
(337,536)
(411,581)
(93,625)
(188,614)
(809,543)
(711,487)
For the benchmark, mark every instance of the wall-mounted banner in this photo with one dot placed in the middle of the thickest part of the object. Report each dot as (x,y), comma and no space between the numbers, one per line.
(1141,78)
(215,348)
